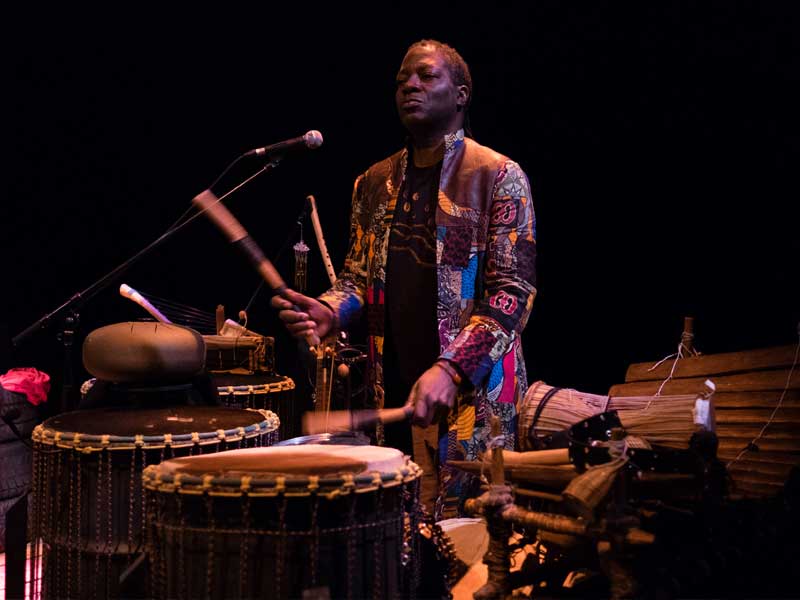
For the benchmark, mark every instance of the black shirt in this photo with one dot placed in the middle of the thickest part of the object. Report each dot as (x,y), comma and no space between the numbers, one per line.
(411,342)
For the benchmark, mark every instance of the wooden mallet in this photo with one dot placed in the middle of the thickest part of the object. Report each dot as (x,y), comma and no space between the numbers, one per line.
(353,420)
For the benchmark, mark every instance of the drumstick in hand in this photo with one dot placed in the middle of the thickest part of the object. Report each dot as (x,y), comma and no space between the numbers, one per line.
(353,420)
(208,203)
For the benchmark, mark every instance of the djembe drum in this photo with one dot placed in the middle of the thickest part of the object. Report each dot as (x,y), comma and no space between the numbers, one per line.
(284,522)
(88,505)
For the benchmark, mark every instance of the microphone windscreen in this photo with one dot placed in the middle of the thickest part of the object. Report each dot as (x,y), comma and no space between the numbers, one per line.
(313,139)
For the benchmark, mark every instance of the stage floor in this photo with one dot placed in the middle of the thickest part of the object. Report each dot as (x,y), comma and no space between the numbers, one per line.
(27,575)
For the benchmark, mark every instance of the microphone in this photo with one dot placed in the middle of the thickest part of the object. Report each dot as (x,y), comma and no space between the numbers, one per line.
(311,140)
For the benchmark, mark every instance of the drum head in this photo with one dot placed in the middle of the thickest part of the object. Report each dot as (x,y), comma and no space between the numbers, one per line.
(268,381)
(155,421)
(341,438)
(305,460)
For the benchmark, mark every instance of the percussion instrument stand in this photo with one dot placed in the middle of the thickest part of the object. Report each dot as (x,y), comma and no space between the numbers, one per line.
(67,338)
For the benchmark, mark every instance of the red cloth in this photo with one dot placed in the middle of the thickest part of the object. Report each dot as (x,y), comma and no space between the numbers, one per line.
(29,381)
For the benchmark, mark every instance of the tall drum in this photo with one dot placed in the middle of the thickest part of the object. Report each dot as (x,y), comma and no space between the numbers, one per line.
(88,507)
(320,521)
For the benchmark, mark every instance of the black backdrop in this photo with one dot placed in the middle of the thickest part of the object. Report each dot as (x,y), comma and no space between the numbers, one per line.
(660,138)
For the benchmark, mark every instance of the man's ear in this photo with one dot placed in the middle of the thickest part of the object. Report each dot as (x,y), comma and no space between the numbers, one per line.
(462,97)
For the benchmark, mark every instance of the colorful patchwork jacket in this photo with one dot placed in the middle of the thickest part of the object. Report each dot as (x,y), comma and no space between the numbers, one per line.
(485,256)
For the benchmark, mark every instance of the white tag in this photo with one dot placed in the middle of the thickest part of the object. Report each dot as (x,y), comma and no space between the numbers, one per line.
(701,410)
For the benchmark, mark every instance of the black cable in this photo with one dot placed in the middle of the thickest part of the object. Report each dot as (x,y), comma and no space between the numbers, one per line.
(532,430)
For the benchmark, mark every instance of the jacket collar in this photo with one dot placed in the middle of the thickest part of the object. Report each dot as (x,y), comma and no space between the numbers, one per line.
(452,141)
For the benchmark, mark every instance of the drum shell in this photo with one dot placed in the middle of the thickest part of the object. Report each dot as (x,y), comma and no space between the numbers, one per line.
(88,506)
(262,559)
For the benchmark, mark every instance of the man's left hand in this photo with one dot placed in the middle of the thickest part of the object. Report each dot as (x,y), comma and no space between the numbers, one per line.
(434,390)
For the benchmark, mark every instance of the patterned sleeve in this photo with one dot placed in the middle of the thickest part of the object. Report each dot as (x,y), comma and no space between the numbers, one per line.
(346,296)
(509,279)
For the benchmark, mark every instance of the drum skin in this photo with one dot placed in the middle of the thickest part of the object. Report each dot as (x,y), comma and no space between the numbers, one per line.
(144,351)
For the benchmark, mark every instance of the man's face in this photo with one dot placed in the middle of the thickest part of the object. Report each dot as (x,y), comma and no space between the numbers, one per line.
(426,96)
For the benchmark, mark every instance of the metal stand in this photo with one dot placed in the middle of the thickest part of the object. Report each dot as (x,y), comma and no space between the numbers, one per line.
(67,338)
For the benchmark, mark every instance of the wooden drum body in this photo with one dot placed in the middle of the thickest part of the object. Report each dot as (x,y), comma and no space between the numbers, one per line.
(326,520)
(88,507)
(240,353)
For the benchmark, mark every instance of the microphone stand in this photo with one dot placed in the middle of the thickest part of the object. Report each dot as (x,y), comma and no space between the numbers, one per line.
(71,308)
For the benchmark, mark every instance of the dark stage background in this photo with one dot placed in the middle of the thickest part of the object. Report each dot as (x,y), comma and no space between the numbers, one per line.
(660,138)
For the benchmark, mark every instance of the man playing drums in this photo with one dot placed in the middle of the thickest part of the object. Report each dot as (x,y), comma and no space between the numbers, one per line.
(441,263)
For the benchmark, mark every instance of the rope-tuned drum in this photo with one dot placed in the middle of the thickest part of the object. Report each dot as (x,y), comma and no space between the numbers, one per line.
(87,502)
(331,521)
(547,410)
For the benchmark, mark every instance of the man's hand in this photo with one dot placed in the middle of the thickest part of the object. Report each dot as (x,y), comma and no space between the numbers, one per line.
(314,320)
(435,389)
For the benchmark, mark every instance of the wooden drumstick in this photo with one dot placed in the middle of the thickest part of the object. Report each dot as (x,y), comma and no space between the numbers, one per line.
(323,248)
(128,292)
(209,204)
(556,456)
(353,420)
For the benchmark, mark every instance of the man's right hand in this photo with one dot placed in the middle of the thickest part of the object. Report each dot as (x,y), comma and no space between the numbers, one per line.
(313,321)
